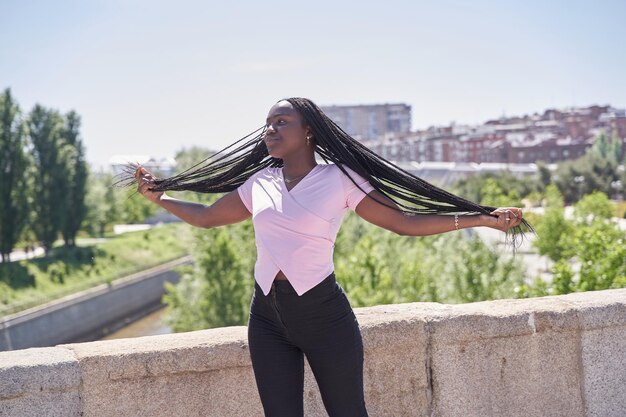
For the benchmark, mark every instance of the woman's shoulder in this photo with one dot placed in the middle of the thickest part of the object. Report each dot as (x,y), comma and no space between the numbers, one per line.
(335,168)
(341,176)
(264,173)
(328,169)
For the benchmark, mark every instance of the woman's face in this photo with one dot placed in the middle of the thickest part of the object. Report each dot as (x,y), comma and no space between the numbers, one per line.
(285,133)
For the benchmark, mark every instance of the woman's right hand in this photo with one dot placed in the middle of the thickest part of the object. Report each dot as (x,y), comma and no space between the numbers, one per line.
(145,180)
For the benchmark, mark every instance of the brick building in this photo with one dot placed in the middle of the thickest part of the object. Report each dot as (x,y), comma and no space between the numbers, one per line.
(553,136)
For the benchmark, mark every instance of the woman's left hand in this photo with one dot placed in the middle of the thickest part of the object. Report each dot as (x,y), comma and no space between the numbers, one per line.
(507,217)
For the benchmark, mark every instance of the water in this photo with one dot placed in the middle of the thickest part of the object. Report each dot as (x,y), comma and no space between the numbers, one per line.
(146,326)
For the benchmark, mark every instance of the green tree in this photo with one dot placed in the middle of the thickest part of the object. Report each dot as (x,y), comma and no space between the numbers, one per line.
(616,148)
(134,208)
(494,195)
(498,187)
(76,169)
(601,252)
(563,277)
(589,173)
(596,205)
(103,203)
(185,159)
(366,274)
(601,145)
(554,234)
(14,165)
(553,197)
(46,130)
(607,148)
(383,268)
(545,175)
(595,243)
(189,157)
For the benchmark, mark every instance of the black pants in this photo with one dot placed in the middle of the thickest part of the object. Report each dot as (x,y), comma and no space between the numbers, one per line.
(283,327)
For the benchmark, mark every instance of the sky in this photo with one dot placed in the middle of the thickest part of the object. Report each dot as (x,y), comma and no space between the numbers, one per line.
(154,77)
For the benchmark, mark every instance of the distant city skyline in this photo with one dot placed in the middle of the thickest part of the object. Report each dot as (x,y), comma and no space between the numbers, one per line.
(151,78)
(550,136)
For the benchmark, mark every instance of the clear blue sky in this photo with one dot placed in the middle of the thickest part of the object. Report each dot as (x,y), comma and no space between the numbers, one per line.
(151,77)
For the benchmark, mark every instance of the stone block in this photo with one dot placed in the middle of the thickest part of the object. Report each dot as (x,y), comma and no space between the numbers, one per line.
(602,315)
(206,372)
(395,344)
(39,382)
(507,358)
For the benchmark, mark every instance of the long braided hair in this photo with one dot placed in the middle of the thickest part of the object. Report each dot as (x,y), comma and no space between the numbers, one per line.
(227,169)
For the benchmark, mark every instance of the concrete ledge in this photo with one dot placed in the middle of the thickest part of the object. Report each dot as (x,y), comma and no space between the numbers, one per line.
(205,372)
(39,382)
(549,356)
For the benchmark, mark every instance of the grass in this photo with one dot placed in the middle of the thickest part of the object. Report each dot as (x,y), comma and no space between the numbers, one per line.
(65,271)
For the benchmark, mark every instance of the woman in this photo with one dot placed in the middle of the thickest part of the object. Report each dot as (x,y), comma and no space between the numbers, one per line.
(298,309)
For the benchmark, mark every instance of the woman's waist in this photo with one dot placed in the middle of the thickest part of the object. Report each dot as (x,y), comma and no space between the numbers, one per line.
(314,281)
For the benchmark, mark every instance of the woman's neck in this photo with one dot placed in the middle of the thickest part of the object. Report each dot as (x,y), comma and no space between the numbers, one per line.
(293,168)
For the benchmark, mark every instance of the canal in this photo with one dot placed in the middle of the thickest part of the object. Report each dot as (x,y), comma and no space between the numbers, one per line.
(149,325)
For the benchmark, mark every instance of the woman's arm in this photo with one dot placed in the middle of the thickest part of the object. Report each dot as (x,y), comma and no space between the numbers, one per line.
(430,224)
(227,209)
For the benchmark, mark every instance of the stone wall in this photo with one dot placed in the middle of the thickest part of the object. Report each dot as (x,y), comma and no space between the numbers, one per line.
(549,356)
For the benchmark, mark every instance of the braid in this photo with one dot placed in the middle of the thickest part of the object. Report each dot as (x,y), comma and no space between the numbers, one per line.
(220,173)
(225,172)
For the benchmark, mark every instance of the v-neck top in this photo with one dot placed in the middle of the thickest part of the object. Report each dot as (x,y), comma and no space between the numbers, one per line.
(295,229)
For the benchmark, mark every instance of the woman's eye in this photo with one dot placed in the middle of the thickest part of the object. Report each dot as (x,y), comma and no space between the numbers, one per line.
(278,122)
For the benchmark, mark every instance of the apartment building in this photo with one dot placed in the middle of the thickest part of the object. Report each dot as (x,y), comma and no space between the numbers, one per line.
(366,122)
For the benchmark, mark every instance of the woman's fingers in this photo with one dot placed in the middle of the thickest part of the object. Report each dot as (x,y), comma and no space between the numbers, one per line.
(517,216)
(146,180)
(141,170)
(499,211)
(146,184)
(507,217)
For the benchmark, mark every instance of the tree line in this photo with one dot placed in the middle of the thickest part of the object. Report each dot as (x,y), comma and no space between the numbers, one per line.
(47,189)
(43,176)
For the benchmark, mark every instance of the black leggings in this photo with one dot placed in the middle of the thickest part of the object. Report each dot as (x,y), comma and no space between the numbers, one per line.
(283,327)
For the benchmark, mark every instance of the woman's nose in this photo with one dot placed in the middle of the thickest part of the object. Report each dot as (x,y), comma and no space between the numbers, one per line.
(270,129)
